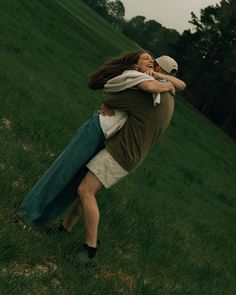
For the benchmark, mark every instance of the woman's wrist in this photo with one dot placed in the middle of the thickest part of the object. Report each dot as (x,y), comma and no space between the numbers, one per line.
(170,85)
(156,75)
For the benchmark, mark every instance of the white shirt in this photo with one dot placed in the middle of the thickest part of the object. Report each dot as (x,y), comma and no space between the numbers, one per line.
(110,125)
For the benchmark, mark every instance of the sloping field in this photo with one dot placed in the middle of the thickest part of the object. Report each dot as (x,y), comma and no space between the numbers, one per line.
(167,229)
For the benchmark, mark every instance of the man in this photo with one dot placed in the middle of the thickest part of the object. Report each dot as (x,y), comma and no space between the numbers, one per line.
(163,66)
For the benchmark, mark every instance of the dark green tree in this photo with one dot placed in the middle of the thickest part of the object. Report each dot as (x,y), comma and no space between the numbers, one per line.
(134,28)
(207,57)
(116,11)
(151,35)
(111,10)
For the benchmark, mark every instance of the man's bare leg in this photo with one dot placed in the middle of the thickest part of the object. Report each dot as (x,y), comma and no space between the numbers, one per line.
(87,190)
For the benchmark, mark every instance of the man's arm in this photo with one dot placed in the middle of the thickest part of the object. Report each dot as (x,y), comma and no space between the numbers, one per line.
(106,111)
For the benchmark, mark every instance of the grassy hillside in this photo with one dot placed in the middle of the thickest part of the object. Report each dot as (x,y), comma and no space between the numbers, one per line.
(167,229)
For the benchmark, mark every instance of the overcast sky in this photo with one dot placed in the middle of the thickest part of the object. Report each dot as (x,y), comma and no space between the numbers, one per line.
(173,14)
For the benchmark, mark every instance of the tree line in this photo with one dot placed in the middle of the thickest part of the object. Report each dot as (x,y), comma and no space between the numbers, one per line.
(206,54)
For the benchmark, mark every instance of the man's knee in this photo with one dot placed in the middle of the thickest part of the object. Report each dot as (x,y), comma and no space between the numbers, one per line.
(83,192)
(89,186)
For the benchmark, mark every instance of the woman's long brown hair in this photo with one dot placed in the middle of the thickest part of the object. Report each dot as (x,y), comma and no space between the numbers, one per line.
(114,67)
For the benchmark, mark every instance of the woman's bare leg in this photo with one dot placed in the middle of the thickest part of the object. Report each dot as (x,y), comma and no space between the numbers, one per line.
(73,216)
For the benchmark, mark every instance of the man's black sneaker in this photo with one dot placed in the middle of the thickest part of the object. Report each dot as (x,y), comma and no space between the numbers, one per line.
(85,256)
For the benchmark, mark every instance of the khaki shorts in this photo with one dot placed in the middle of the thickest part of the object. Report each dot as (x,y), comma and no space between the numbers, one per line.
(106,169)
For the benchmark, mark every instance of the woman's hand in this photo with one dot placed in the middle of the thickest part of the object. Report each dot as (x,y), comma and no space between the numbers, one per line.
(172,88)
(151,73)
(106,111)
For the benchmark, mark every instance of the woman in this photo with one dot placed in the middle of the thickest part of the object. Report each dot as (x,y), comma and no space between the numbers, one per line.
(56,189)
(123,152)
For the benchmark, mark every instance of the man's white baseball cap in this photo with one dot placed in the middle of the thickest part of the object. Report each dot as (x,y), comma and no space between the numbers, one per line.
(168,64)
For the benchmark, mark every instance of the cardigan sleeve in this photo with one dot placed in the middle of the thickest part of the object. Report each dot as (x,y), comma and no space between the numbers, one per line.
(127,79)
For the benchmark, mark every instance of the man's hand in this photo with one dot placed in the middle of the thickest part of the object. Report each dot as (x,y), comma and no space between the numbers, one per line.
(106,111)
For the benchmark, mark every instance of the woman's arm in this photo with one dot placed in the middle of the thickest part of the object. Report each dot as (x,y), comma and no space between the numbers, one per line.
(156,86)
(178,84)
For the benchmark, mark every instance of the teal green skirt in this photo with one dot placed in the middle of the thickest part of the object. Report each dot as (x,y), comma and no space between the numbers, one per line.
(57,188)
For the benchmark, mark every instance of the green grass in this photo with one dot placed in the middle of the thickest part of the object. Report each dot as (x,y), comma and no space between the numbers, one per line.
(167,229)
